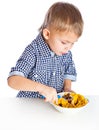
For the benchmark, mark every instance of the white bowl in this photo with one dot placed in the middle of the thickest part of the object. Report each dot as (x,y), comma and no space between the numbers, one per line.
(69,110)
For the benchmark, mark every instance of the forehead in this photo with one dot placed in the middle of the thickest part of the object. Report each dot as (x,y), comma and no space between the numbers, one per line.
(65,36)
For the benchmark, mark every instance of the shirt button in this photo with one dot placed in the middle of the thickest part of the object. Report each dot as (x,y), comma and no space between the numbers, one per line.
(53,73)
(36,76)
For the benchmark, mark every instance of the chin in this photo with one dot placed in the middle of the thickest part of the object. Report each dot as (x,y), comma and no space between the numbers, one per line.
(60,54)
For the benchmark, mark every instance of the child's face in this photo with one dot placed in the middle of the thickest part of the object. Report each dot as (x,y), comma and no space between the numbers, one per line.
(61,42)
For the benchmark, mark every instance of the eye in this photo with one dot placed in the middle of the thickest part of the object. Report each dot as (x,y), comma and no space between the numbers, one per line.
(63,43)
(69,44)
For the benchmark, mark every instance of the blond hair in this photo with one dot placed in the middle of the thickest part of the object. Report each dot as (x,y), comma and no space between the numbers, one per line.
(63,16)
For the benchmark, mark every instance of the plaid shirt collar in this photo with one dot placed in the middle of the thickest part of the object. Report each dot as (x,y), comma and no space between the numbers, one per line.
(43,46)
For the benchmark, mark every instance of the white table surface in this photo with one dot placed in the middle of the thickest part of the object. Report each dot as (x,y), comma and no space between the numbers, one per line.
(30,114)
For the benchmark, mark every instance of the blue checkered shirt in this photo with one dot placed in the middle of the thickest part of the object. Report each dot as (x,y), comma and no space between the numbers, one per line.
(40,64)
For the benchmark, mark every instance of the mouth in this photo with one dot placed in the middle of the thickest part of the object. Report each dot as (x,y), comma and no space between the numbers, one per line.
(64,52)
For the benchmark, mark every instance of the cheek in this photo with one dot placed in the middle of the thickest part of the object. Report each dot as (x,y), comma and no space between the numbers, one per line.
(58,46)
(70,47)
(55,44)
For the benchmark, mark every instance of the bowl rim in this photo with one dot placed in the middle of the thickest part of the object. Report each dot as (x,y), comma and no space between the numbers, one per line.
(68,108)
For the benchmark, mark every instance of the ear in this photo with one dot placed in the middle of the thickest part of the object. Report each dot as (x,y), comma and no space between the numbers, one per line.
(46,33)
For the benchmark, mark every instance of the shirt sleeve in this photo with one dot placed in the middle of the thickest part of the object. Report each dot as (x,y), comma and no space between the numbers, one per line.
(70,70)
(25,62)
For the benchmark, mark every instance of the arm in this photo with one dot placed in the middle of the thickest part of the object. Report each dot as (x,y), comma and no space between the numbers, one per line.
(24,84)
(67,85)
(70,74)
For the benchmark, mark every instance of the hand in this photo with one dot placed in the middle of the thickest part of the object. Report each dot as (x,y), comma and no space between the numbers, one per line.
(50,94)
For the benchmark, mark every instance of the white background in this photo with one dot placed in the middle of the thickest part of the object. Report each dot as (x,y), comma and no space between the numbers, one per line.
(19,23)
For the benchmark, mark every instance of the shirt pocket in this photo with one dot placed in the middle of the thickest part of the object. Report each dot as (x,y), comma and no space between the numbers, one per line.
(39,76)
(44,72)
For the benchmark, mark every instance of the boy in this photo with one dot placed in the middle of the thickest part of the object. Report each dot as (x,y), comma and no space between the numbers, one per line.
(46,66)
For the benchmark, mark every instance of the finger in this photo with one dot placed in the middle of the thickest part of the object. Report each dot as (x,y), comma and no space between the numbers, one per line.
(48,99)
(55,100)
